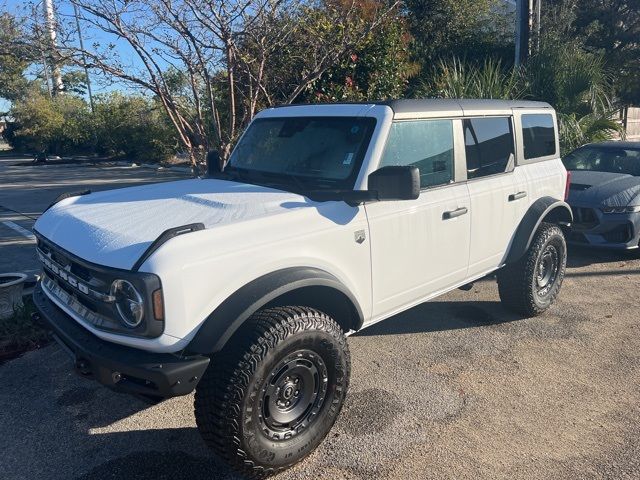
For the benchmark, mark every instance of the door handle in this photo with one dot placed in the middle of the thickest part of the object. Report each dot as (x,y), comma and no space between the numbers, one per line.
(454,213)
(517,196)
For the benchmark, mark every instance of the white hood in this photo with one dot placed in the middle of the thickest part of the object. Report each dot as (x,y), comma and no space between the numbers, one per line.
(115,227)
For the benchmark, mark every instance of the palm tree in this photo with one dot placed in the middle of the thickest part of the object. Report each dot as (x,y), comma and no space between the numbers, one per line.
(573,81)
(577,84)
(458,78)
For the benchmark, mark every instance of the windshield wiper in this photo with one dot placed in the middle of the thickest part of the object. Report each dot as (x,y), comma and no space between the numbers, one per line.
(301,187)
(238,174)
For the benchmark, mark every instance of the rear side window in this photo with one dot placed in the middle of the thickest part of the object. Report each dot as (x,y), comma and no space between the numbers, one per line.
(426,144)
(539,136)
(488,145)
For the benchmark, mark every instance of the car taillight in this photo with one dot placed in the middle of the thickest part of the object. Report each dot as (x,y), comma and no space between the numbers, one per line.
(567,186)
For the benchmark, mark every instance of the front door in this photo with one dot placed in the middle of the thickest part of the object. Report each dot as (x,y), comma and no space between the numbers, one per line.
(419,247)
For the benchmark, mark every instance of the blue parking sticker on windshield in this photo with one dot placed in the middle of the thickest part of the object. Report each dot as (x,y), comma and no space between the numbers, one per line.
(347,159)
(355,129)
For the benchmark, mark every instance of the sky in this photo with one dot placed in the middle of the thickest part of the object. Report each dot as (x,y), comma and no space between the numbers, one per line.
(64,9)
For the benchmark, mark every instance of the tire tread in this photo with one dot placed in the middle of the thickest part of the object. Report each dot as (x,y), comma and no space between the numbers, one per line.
(220,393)
(515,280)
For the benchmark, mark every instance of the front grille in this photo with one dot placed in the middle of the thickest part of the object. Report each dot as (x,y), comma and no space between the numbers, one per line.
(584,217)
(86,288)
(74,302)
(579,187)
(577,237)
(72,280)
(620,234)
(66,262)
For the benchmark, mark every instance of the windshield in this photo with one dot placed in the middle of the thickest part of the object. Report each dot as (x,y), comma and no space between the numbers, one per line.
(309,152)
(612,160)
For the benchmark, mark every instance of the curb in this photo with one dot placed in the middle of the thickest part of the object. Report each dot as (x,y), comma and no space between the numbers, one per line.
(161,168)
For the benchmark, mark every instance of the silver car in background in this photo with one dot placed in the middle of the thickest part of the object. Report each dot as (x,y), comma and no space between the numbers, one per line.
(605,194)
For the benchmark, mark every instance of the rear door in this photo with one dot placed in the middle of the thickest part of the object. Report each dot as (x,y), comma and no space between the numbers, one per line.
(539,153)
(495,194)
(420,247)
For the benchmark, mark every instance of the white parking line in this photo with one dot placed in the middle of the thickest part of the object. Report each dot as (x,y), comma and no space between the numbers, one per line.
(22,231)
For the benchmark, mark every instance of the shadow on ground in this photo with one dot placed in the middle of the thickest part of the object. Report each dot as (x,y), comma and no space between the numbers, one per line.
(583,256)
(160,465)
(443,316)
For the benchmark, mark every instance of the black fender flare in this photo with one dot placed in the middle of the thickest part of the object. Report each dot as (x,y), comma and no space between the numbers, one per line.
(313,286)
(545,208)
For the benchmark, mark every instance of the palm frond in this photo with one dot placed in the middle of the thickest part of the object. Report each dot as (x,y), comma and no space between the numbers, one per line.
(593,127)
(457,78)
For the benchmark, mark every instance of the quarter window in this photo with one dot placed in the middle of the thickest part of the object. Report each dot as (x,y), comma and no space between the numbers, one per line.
(426,144)
(488,146)
(539,136)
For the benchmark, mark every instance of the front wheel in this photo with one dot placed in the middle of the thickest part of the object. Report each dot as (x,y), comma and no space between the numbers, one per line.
(530,285)
(276,391)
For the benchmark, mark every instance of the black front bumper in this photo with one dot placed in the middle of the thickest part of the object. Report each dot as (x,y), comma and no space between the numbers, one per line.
(118,367)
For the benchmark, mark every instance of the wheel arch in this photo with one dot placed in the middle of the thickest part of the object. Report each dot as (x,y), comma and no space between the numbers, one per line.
(545,209)
(307,286)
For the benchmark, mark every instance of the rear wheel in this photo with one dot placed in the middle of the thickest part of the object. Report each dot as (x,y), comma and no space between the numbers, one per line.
(273,394)
(530,285)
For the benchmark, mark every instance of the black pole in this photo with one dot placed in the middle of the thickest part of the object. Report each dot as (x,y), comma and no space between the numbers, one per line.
(522,31)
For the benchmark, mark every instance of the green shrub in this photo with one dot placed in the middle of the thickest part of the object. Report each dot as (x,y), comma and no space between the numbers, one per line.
(20,333)
(133,127)
(59,125)
(573,81)
(457,78)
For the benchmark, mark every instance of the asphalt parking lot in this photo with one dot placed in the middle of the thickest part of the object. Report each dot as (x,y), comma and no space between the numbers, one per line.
(26,190)
(456,388)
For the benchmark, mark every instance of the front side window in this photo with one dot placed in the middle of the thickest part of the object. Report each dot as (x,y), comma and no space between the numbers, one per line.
(314,151)
(426,144)
(538,135)
(488,145)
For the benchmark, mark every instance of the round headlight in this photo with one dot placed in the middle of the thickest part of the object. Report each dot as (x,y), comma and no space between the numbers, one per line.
(129,302)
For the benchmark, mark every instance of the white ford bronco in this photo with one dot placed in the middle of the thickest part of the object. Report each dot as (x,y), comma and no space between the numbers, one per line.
(244,284)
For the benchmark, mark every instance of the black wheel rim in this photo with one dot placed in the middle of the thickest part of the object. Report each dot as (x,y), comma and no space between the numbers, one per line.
(293,395)
(547,270)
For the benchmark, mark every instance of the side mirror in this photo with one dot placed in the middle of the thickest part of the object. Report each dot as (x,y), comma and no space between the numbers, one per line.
(395,183)
(213,163)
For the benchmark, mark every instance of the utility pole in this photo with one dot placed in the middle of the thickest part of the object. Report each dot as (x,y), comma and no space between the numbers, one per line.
(50,18)
(538,23)
(84,58)
(523,30)
(45,65)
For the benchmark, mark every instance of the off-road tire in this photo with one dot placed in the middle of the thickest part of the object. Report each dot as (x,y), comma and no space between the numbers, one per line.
(230,398)
(518,282)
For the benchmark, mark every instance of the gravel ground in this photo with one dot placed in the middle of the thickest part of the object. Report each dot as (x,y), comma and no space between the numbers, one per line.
(455,388)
